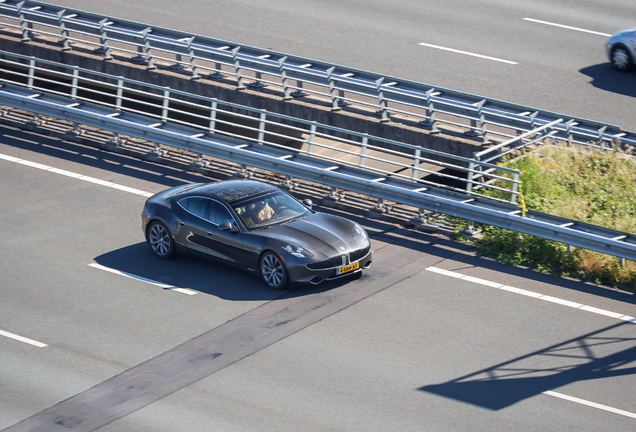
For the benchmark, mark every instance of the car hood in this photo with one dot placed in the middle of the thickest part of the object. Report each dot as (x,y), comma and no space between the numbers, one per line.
(623,33)
(322,234)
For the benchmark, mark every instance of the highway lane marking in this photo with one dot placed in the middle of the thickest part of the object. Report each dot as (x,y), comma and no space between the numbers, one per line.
(566,27)
(467,53)
(143,279)
(22,339)
(590,404)
(75,175)
(533,294)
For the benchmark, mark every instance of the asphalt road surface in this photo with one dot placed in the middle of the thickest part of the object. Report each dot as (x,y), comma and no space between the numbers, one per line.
(546,55)
(97,334)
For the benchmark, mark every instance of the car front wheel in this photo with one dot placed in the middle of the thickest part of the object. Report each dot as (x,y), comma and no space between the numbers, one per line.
(621,60)
(273,271)
(160,240)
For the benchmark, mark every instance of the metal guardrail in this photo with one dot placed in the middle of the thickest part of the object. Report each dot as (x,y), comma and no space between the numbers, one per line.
(299,166)
(388,97)
(383,158)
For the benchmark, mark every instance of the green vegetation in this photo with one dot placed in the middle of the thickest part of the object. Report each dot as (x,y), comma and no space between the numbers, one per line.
(584,184)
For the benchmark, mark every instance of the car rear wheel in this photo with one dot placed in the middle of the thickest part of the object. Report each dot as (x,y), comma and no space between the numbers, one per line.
(160,240)
(621,60)
(273,271)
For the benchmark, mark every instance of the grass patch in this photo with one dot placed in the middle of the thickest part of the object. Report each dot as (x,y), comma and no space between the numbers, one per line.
(584,184)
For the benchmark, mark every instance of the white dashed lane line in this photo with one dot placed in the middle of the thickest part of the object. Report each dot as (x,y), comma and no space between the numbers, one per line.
(143,279)
(533,294)
(22,339)
(75,175)
(467,53)
(590,404)
(566,27)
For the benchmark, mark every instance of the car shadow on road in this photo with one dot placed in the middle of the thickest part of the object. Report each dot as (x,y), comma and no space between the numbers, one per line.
(604,353)
(606,78)
(201,275)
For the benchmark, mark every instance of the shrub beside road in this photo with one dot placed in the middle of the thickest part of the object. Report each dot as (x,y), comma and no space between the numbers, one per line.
(584,184)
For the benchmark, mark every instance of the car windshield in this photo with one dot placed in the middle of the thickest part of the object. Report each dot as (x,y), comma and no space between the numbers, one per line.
(270,210)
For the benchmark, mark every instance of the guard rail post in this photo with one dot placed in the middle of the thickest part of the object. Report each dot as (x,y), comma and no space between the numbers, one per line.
(165,105)
(261,128)
(283,78)
(363,149)
(568,130)
(482,121)
(237,68)
(515,188)
(120,94)
(63,32)
(26,33)
(416,164)
(193,64)
(332,90)
(384,117)
(601,139)
(312,137)
(74,82)
(430,122)
(31,73)
(212,124)
(104,49)
(148,49)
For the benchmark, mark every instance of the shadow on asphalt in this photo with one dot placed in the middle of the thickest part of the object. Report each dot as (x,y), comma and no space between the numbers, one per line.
(604,353)
(606,78)
(203,275)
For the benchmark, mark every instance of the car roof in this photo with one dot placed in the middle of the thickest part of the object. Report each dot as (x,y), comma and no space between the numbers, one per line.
(234,191)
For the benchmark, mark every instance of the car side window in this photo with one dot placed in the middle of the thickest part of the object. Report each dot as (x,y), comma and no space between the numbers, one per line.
(196,206)
(219,214)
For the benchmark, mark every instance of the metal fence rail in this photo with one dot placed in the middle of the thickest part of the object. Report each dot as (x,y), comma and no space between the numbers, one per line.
(389,98)
(299,166)
(383,158)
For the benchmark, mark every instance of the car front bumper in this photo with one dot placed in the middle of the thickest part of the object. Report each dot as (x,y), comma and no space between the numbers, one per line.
(298,270)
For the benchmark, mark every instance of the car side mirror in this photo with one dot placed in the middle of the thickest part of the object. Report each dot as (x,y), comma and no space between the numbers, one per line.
(228,226)
(308,203)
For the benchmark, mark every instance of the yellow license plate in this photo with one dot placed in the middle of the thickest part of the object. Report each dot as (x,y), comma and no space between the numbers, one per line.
(348,268)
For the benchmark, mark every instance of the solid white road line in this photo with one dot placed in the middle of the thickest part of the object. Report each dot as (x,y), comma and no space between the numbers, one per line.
(75,175)
(533,294)
(566,27)
(22,339)
(142,279)
(590,404)
(467,53)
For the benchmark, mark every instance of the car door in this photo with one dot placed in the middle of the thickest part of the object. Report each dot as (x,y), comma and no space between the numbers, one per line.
(193,224)
(225,245)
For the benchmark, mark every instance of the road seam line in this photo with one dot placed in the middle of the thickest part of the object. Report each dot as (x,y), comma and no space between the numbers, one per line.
(143,279)
(533,294)
(22,339)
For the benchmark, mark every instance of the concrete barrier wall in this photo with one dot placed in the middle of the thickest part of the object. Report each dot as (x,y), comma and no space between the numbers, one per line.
(447,141)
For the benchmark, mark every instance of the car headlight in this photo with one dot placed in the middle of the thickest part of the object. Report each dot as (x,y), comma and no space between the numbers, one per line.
(298,251)
(360,231)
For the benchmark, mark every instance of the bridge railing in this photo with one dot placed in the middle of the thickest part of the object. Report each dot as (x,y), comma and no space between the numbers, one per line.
(339,147)
(387,98)
(294,165)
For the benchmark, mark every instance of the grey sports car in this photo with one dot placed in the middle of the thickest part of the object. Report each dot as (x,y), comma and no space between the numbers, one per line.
(258,227)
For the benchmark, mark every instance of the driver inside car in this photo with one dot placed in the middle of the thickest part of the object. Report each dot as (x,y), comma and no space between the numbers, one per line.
(266,212)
